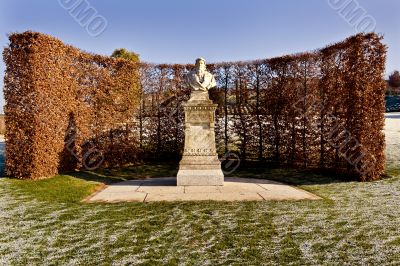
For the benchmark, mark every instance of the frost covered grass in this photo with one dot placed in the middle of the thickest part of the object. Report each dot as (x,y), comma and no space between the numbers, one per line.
(44,222)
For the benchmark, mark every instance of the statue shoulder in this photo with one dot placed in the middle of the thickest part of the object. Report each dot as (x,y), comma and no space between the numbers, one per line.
(210,76)
(191,74)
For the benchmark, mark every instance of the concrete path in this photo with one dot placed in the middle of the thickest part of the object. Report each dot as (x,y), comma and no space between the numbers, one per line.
(165,189)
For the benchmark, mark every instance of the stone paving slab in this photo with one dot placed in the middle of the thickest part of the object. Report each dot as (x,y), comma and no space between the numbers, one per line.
(105,196)
(202,189)
(165,189)
(161,189)
(204,196)
(234,187)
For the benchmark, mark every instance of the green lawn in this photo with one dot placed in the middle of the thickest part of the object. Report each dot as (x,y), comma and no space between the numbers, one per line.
(44,222)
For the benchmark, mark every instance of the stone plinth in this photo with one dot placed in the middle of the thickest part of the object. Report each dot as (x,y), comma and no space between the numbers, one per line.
(200,165)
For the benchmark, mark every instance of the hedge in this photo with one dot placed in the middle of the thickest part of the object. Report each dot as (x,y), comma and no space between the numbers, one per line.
(323,109)
(65,108)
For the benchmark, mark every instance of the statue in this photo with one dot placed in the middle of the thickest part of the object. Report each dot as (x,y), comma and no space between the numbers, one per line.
(200,81)
(200,165)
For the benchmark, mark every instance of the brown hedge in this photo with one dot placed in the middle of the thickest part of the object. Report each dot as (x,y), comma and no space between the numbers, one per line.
(66,108)
(321,109)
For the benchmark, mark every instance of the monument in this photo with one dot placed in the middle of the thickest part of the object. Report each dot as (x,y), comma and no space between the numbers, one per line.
(200,165)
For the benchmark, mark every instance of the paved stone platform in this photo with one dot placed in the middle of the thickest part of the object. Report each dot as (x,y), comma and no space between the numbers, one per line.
(165,189)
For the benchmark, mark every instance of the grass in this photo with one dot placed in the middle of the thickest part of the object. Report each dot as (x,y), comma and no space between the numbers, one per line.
(62,188)
(44,222)
(141,171)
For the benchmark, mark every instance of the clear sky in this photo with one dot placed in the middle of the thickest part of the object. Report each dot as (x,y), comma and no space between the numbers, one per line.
(178,31)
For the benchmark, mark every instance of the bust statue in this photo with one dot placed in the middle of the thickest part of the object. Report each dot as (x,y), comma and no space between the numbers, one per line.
(200,81)
(200,165)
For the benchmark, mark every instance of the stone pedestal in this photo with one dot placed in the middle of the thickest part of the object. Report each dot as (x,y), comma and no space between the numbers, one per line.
(200,165)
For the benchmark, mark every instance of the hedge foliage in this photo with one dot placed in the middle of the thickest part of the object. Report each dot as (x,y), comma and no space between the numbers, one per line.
(66,108)
(321,109)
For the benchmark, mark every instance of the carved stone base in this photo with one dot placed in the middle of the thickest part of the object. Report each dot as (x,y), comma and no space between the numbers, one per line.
(200,177)
(200,165)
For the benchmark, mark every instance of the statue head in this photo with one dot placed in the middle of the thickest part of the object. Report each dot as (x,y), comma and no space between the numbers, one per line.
(200,64)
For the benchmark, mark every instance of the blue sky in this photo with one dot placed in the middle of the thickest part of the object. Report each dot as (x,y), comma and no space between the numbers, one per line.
(179,31)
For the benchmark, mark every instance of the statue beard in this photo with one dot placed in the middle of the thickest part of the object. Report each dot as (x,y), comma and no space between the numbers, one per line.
(201,71)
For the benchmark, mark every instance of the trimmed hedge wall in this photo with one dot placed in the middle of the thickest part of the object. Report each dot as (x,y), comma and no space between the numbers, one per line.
(323,109)
(66,108)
